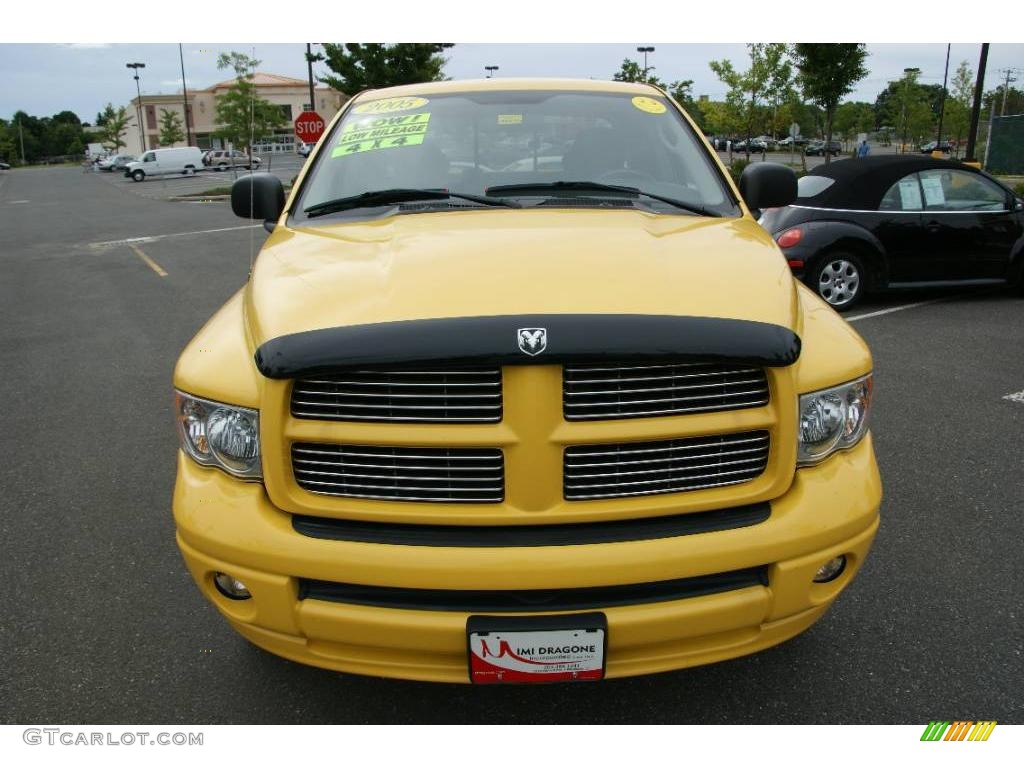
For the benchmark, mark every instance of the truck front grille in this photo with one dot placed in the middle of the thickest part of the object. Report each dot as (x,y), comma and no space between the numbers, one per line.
(665,466)
(660,389)
(469,475)
(438,395)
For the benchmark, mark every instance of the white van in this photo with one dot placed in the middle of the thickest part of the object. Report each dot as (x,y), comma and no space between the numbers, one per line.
(161,162)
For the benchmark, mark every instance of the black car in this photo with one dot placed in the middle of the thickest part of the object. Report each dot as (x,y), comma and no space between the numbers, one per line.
(932,146)
(870,223)
(818,148)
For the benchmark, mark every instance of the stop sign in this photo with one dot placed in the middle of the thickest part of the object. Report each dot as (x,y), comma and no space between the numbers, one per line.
(309,127)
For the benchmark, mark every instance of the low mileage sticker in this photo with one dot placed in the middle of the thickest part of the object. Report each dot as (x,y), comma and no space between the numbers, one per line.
(382,133)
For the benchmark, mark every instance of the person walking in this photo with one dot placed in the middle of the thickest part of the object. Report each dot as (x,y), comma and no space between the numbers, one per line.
(864,149)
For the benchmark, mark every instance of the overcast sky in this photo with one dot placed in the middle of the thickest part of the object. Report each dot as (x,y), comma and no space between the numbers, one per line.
(44,79)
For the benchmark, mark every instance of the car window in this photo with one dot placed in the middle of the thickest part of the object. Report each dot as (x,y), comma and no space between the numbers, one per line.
(470,142)
(904,195)
(953,190)
(811,186)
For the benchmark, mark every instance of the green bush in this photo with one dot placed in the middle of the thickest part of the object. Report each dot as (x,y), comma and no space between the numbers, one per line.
(736,169)
(1019,189)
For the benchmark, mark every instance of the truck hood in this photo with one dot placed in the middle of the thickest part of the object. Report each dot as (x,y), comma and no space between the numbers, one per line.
(506,262)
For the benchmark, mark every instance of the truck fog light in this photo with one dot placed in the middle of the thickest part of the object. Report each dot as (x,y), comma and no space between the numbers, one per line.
(231,587)
(830,570)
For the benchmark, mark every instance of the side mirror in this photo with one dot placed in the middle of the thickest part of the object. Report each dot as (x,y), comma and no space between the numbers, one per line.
(258,196)
(767,185)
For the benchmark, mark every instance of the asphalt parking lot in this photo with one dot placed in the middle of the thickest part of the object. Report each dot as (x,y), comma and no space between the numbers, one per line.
(100,622)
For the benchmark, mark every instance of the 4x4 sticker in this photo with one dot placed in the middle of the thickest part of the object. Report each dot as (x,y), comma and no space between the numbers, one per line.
(382,133)
(381,106)
(645,104)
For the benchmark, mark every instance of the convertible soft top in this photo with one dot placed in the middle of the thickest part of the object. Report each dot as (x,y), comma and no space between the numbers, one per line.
(861,183)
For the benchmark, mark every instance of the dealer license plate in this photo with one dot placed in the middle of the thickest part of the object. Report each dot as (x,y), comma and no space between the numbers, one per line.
(537,649)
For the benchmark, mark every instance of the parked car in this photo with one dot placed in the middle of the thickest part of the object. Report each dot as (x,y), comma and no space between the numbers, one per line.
(456,420)
(222,159)
(164,162)
(893,220)
(932,146)
(791,141)
(115,162)
(4,167)
(835,148)
(756,145)
(303,149)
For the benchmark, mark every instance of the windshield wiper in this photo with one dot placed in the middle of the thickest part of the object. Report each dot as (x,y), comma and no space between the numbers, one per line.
(398,195)
(595,186)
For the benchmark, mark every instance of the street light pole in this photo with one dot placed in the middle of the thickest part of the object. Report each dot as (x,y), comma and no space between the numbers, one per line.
(645,49)
(942,104)
(491,69)
(184,91)
(137,65)
(972,133)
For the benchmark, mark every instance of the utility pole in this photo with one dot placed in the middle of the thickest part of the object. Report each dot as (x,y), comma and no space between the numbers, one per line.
(972,134)
(942,104)
(491,69)
(184,91)
(21,136)
(1010,73)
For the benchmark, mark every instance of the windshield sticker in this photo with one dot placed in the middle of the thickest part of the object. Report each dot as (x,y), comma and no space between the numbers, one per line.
(510,119)
(910,195)
(645,104)
(933,192)
(382,133)
(381,106)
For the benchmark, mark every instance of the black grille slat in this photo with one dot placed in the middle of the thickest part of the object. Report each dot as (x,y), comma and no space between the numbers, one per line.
(435,395)
(452,475)
(532,600)
(666,466)
(630,391)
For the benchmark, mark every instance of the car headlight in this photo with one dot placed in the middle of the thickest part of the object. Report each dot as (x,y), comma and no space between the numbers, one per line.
(832,419)
(219,435)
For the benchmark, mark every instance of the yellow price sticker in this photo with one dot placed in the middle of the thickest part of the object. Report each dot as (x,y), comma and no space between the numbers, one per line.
(647,104)
(510,119)
(382,106)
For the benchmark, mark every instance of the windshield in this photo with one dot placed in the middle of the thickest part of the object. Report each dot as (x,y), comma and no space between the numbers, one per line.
(476,142)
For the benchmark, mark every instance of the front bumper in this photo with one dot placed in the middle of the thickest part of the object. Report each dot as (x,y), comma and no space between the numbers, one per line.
(229,526)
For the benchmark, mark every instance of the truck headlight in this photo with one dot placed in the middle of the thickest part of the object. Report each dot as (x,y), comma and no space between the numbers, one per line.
(832,419)
(219,435)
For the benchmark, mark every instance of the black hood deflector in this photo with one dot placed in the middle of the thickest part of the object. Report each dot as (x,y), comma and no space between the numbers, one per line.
(494,340)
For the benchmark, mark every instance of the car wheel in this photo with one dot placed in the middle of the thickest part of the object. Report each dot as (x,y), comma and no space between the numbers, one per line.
(190,170)
(138,175)
(222,167)
(839,278)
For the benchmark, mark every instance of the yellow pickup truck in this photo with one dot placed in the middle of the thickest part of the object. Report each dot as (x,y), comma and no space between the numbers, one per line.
(519,391)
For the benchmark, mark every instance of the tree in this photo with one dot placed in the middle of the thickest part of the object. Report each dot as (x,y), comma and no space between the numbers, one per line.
(115,123)
(958,105)
(241,115)
(170,128)
(827,72)
(632,72)
(909,109)
(748,89)
(358,66)
(853,117)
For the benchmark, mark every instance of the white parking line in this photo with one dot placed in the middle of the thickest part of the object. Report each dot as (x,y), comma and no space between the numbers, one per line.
(880,312)
(1015,397)
(153,238)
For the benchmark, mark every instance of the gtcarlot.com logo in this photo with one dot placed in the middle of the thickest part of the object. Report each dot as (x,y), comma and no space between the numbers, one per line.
(958,730)
(72,738)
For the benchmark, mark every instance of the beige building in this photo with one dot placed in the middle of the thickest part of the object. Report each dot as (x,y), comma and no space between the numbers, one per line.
(289,93)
